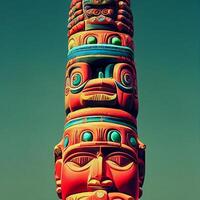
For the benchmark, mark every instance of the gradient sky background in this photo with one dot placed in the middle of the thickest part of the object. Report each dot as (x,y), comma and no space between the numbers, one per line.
(33,54)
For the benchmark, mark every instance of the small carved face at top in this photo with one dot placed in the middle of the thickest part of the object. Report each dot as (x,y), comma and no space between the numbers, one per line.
(101,84)
(94,8)
(100,15)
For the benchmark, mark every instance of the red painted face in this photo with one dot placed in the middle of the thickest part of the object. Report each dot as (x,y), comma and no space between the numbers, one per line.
(95,168)
(103,157)
(100,84)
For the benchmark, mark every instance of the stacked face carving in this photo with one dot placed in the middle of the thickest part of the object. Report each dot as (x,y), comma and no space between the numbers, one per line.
(100,155)
(115,15)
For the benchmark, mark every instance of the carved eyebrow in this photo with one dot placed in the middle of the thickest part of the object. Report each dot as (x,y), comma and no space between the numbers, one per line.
(81,152)
(82,160)
(74,156)
(123,154)
(69,70)
(121,160)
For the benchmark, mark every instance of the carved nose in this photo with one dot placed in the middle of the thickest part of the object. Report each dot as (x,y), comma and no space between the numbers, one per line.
(101,84)
(96,171)
(97,177)
(105,183)
(100,74)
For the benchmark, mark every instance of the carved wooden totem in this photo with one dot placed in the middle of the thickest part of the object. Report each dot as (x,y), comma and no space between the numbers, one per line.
(100,156)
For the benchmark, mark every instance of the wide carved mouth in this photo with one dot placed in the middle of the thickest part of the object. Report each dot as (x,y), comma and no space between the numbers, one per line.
(101,88)
(98,97)
(103,92)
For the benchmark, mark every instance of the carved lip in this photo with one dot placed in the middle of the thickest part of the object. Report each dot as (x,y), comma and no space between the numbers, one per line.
(99,97)
(105,92)
(99,91)
(107,89)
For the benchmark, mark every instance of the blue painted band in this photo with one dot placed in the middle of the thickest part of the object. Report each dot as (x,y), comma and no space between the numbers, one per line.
(100,49)
(89,119)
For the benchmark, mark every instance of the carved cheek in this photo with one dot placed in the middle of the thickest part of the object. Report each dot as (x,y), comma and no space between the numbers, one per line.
(73,181)
(74,102)
(125,180)
(124,99)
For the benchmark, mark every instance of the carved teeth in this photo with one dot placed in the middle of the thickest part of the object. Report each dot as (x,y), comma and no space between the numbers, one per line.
(98,97)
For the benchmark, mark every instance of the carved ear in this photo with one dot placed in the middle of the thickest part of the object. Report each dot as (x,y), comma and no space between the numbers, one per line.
(141,165)
(57,169)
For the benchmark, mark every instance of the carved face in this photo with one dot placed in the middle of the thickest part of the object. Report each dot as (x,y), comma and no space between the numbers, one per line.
(101,84)
(94,8)
(100,15)
(96,168)
(100,37)
(102,157)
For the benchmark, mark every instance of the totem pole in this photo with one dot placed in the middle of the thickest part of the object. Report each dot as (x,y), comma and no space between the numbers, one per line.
(100,156)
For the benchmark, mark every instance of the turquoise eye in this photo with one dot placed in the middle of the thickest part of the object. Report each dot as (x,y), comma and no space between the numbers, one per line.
(114,136)
(76,79)
(66,141)
(127,79)
(91,40)
(87,136)
(116,41)
(133,141)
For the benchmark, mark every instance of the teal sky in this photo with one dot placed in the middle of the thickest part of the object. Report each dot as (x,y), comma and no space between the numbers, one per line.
(32,64)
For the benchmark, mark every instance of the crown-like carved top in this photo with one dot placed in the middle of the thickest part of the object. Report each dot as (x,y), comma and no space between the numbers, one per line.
(114,15)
